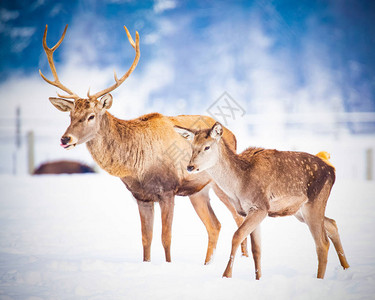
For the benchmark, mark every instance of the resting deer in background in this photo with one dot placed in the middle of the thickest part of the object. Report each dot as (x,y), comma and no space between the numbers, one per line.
(135,151)
(262,182)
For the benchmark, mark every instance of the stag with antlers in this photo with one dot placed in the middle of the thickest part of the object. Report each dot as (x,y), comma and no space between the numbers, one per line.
(134,150)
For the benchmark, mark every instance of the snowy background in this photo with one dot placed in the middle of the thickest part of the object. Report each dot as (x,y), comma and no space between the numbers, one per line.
(78,237)
(302,73)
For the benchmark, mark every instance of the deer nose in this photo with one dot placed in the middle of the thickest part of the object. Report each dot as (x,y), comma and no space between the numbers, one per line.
(65,140)
(190,168)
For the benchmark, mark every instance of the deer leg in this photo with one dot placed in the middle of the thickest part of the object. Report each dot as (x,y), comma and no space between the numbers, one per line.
(313,215)
(167,208)
(333,233)
(146,212)
(201,204)
(237,218)
(250,223)
(256,250)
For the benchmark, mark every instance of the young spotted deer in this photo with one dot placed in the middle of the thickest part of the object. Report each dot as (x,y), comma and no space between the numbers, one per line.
(262,182)
(137,151)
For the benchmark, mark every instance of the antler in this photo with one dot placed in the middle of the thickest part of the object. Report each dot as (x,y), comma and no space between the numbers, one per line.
(126,75)
(49,53)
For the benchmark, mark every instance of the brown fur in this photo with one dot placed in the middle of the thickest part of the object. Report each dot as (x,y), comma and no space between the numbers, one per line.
(137,152)
(140,161)
(263,182)
(63,167)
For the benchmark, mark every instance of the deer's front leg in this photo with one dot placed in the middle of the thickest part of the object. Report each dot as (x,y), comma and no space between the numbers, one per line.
(146,212)
(237,218)
(251,222)
(167,207)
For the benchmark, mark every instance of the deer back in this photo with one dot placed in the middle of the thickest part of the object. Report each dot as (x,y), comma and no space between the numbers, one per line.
(288,172)
(148,155)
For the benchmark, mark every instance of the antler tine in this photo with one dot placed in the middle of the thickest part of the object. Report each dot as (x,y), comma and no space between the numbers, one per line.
(126,75)
(49,53)
(130,37)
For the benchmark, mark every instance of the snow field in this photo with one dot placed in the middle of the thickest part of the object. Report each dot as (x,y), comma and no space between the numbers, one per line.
(79,237)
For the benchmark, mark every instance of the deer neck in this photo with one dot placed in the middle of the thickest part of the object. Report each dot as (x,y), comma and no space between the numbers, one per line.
(113,147)
(226,172)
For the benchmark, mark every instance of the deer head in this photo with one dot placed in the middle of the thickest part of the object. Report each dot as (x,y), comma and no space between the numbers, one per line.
(205,146)
(85,113)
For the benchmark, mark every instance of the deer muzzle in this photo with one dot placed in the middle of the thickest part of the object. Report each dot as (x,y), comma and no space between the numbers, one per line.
(68,142)
(192,169)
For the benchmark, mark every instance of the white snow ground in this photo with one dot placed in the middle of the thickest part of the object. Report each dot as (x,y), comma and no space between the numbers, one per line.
(78,237)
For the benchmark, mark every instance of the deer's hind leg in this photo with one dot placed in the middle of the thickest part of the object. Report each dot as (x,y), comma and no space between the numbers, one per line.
(316,226)
(202,206)
(313,215)
(333,233)
(256,250)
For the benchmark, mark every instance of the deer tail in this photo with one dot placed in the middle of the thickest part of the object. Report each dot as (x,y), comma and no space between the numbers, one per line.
(325,156)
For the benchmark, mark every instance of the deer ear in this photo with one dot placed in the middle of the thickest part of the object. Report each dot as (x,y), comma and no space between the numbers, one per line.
(106,101)
(62,104)
(216,131)
(185,133)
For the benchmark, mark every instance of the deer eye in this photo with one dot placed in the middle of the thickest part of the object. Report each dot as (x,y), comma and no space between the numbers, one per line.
(206,148)
(91,118)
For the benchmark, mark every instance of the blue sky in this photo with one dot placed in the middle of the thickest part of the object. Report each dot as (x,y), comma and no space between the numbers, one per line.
(299,56)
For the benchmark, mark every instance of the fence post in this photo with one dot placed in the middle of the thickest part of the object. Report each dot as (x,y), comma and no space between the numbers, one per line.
(30,151)
(17,141)
(369,164)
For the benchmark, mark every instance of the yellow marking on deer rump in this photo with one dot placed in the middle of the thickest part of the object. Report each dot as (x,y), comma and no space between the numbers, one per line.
(325,156)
